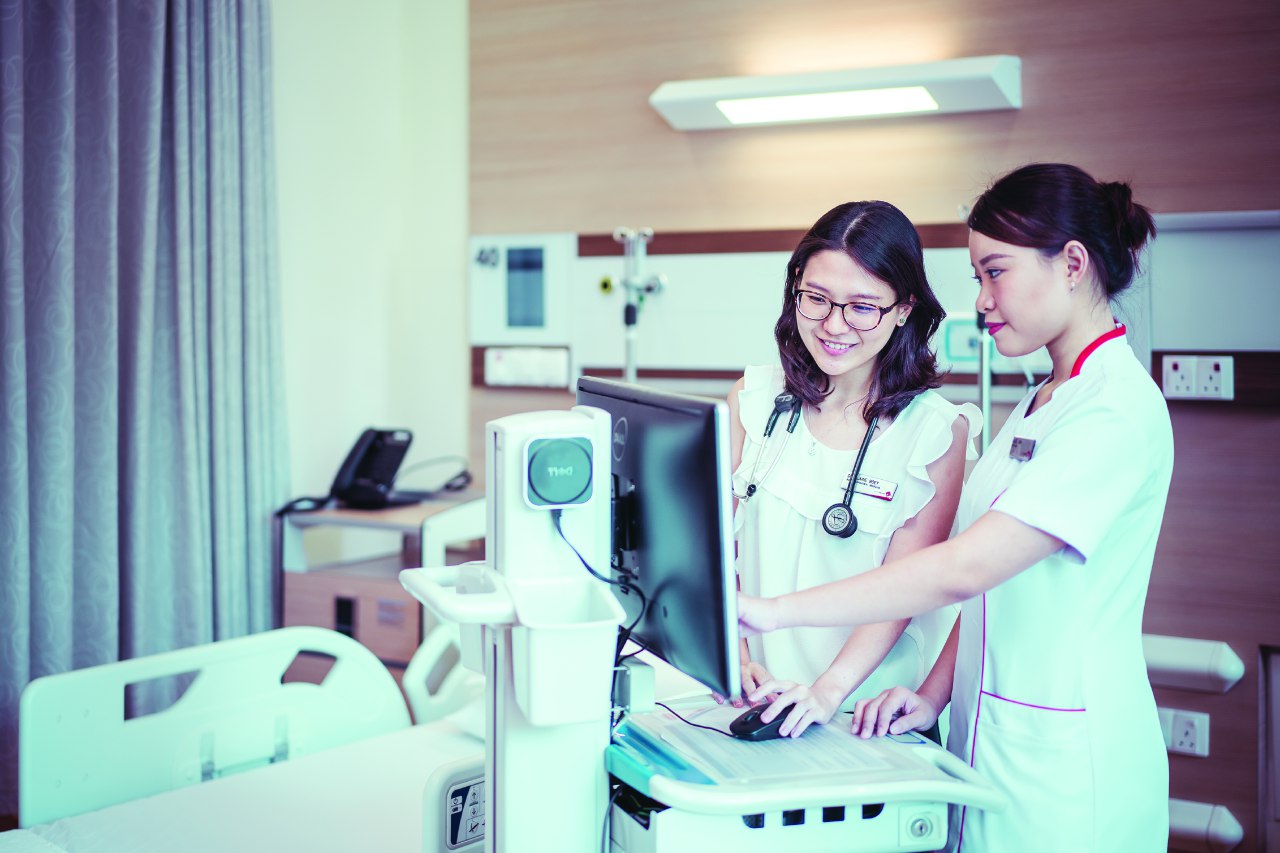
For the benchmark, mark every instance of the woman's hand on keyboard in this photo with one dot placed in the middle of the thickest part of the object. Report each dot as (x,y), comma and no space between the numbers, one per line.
(894,711)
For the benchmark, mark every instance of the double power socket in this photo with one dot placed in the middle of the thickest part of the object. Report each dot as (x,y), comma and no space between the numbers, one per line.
(1199,377)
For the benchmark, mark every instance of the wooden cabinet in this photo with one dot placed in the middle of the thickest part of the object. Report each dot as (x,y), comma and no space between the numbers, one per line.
(363,600)
(362,597)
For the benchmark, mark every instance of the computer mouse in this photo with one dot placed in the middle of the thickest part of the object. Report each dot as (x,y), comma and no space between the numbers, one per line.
(749,726)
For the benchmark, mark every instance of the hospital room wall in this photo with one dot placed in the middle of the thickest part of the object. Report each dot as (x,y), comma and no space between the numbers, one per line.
(371,148)
(563,140)
(1180,98)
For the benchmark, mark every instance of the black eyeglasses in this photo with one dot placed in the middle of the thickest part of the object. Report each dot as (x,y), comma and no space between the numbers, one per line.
(862,316)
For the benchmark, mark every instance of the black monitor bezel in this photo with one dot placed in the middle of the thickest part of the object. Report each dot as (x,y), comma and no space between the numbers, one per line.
(718,667)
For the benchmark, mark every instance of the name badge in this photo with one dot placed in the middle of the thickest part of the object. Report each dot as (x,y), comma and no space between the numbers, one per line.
(872,487)
(1022,448)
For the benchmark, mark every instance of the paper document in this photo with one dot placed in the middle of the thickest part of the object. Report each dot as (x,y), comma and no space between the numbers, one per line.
(820,751)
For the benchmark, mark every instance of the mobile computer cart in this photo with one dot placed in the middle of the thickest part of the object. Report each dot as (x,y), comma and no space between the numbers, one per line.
(543,632)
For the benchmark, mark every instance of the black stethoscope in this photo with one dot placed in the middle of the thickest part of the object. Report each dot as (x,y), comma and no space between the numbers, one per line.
(839,519)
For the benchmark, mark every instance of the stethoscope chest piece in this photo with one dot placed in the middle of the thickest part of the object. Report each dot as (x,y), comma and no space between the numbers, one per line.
(840,521)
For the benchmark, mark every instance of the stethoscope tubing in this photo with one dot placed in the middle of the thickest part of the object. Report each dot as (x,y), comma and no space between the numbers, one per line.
(781,404)
(857,462)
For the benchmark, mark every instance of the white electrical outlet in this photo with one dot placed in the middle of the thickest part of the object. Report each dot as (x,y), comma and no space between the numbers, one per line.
(1185,732)
(1215,377)
(1179,377)
(1199,377)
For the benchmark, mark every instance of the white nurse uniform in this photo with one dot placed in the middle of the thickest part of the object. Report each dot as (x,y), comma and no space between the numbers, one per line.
(1051,700)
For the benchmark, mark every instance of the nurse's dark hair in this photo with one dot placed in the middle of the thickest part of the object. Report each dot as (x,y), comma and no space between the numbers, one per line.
(881,240)
(1046,205)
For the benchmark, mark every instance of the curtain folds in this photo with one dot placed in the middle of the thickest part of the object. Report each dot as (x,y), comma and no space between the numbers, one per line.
(142,440)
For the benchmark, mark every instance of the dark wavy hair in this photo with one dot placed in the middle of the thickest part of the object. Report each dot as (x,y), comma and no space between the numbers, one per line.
(1046,205)
(881,240)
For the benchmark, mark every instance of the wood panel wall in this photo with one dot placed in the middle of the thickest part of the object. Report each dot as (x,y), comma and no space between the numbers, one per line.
(1217,577)
(1181,97)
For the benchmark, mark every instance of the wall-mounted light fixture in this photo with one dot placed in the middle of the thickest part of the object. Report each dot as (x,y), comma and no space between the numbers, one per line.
(954,86)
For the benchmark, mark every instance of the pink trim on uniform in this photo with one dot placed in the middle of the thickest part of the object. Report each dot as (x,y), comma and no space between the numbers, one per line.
(1088,351)
(1030,705)
(977,712)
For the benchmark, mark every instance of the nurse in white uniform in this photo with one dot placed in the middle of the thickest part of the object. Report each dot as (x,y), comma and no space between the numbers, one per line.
(1058,524)
(853,391)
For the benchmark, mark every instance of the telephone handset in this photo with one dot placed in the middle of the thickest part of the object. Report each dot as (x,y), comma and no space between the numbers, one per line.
(367,475)
(364,481)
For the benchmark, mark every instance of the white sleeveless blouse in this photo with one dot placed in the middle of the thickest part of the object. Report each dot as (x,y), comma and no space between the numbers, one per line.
(782,546)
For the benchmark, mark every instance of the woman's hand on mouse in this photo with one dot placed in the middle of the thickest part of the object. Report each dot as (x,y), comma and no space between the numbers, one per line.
(894,711)
(809,705)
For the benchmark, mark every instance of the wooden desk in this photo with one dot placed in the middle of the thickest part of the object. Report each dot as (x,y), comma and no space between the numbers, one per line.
(427,527)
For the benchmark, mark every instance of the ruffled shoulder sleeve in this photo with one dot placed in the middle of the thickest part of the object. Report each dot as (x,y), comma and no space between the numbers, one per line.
(761,384)
(922,437)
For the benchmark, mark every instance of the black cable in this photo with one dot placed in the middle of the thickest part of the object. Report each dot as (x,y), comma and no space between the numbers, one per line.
(304,505)
(456,483)
(624,584)
(691,723)
(623,633)
(608,816)
(406,469)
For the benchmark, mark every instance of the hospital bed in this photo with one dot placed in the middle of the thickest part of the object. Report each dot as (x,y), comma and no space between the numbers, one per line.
(355,769)
(242,760)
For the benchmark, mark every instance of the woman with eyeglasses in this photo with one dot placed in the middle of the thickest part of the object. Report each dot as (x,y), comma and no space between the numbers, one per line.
(844,458)
(1058,523)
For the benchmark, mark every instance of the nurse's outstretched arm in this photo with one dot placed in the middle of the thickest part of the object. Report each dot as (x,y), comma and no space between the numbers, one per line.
(993,549)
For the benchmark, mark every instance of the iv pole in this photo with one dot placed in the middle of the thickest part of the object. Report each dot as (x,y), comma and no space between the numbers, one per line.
(635,285)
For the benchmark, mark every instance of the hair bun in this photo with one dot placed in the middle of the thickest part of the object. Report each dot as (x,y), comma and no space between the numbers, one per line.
(1133,223)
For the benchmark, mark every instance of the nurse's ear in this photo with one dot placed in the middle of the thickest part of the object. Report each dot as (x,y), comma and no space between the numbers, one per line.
(1076,259)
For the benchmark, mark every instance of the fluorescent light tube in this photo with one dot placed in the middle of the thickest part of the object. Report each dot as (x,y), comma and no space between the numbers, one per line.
(828,105)
(973,84)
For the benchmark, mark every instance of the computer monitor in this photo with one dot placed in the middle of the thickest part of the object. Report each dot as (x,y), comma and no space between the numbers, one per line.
(672,526)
